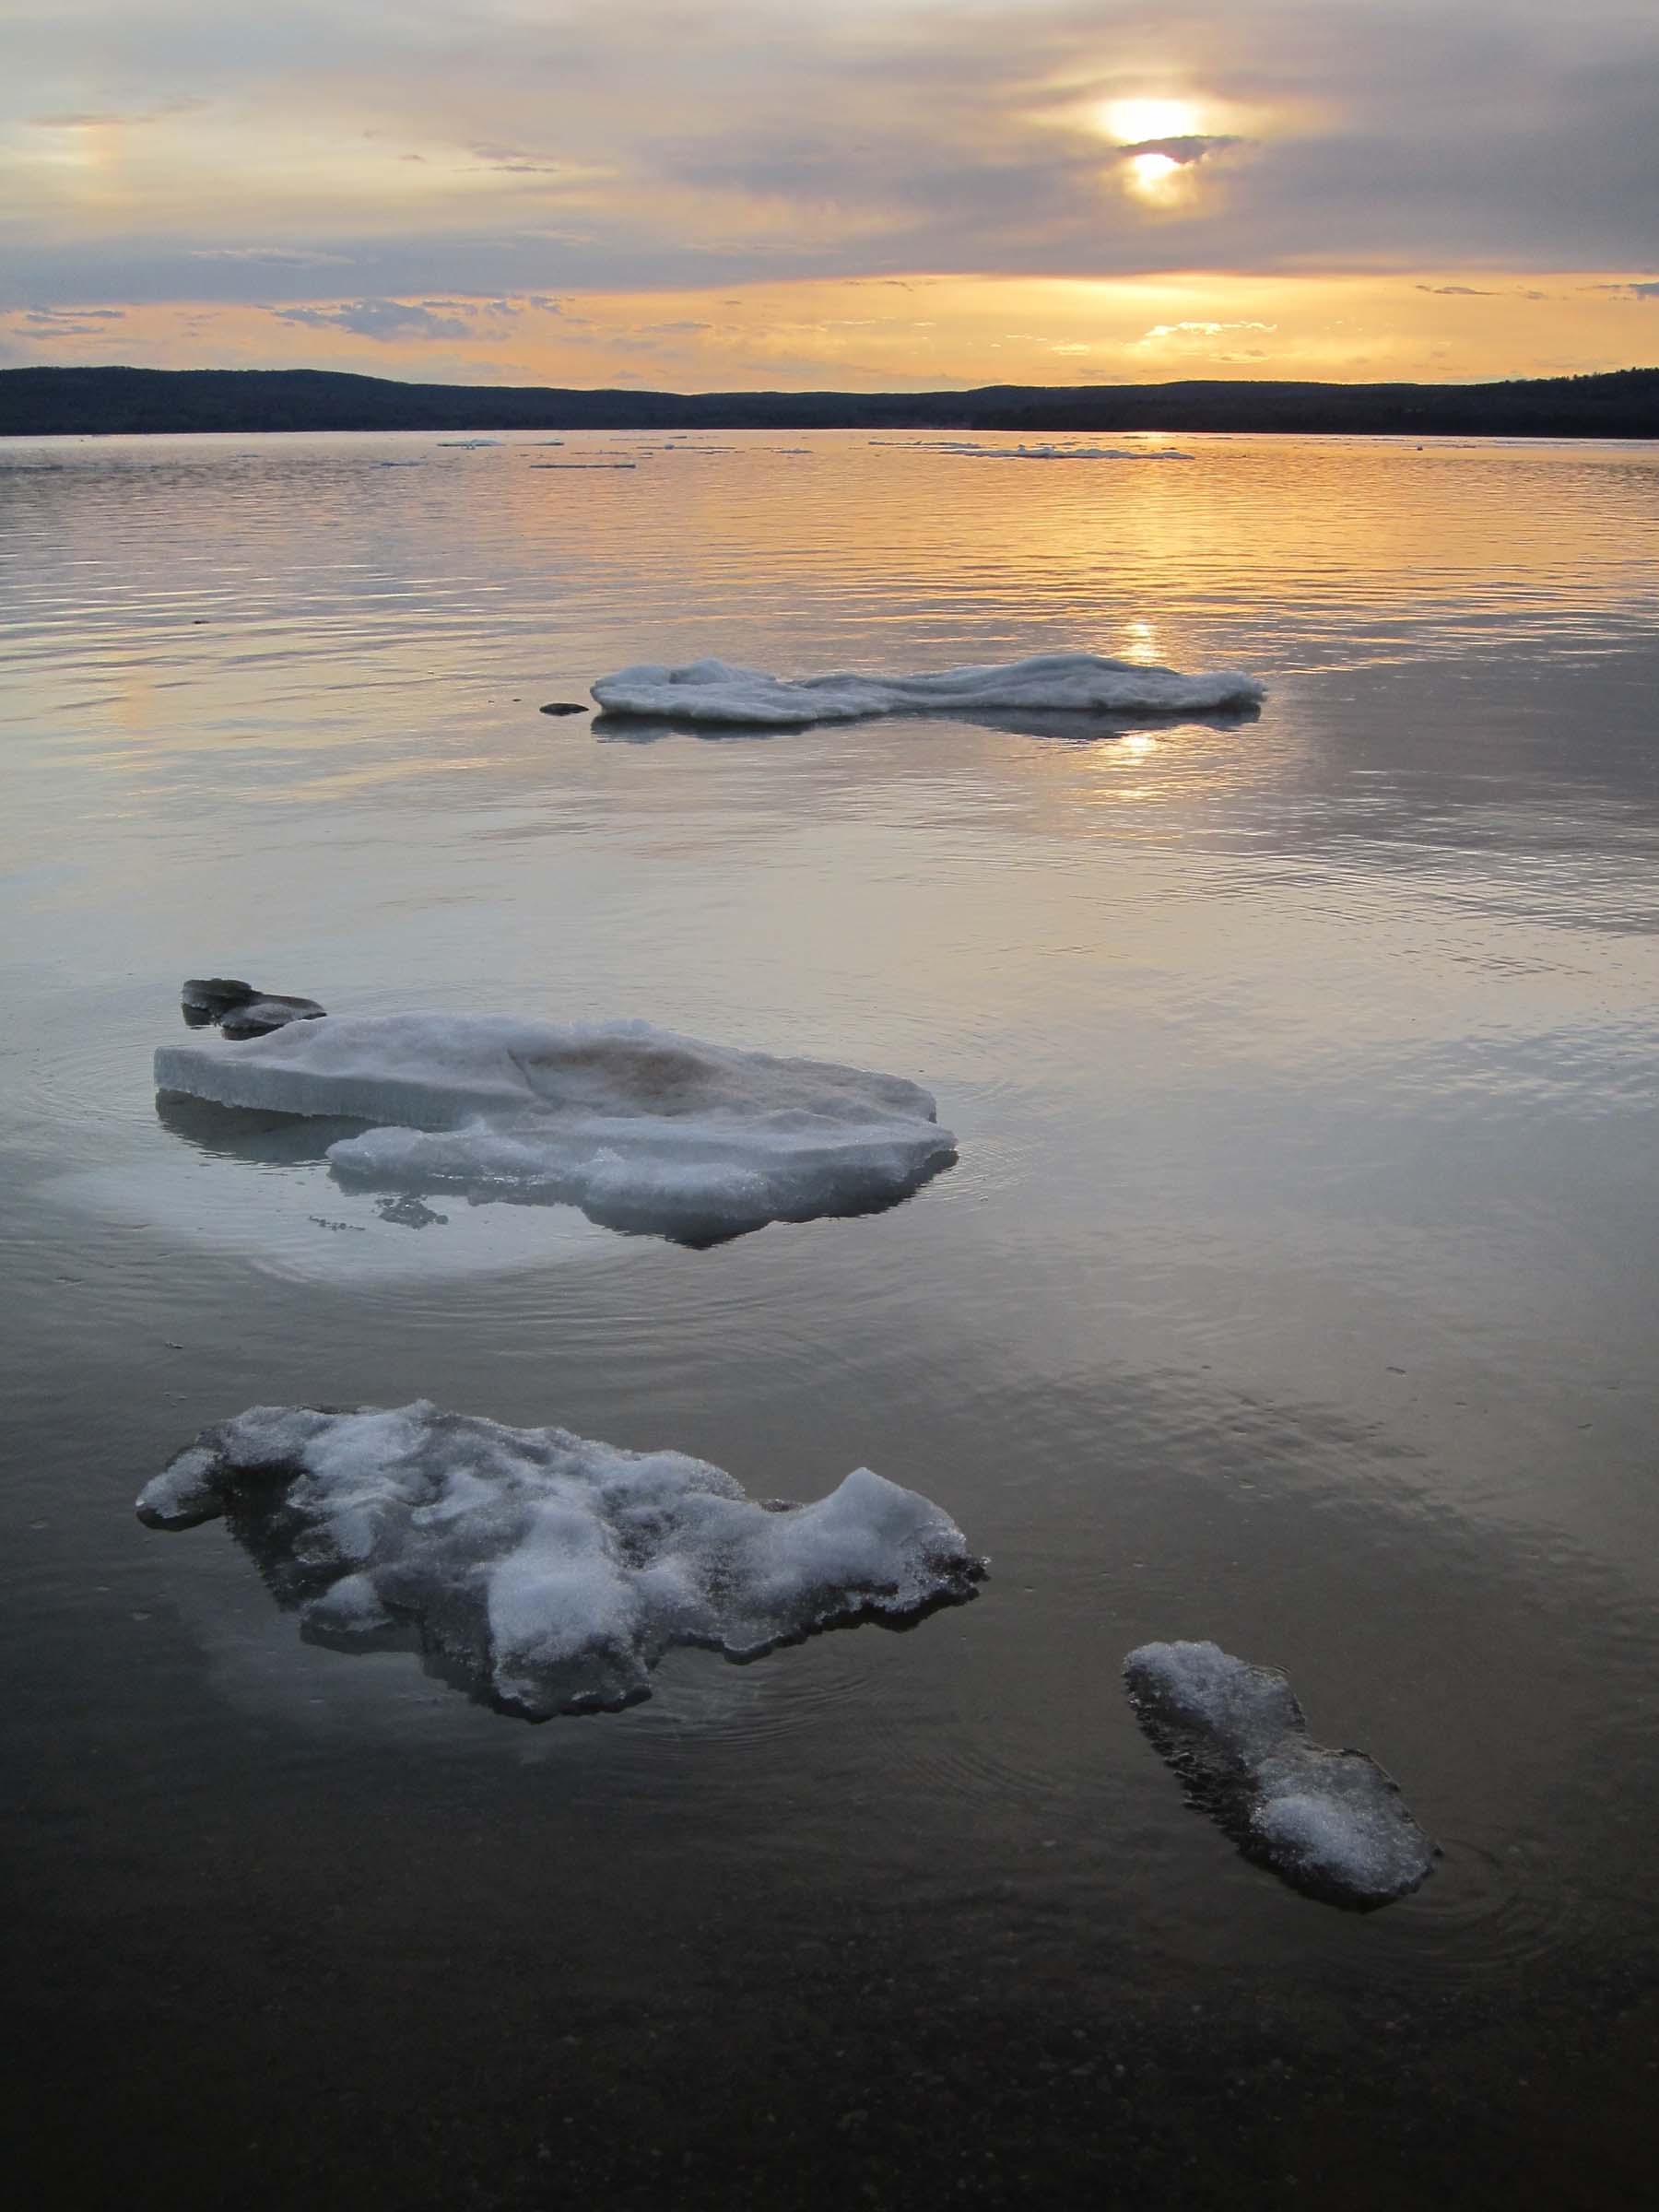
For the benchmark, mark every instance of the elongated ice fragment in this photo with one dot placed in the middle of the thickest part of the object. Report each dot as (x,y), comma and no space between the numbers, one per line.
(1057,682)
(1330,1823)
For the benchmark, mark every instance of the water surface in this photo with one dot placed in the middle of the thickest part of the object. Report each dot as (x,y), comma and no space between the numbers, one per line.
(1294,1287)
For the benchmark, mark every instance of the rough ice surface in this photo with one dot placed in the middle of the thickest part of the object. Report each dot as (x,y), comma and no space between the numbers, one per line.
(642,1129)
(1071,682)
(1330,1823)
(545,1573)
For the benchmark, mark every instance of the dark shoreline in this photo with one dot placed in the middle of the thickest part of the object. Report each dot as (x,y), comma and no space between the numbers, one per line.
(47,402)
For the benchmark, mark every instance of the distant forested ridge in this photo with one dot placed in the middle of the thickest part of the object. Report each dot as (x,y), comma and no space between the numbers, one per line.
(102,402)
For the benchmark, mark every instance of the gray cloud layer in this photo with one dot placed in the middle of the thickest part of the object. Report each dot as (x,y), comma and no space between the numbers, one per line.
(649,145)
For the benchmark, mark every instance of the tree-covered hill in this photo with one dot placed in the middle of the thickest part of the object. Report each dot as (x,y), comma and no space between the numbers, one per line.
(93,402)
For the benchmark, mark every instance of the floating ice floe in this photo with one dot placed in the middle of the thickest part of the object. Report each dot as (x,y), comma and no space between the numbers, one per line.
(545,1573)
(1330,1823)
(641,1129)
(975,450)
(1070,452)
(468,445)
(239,1009)
(1064,682)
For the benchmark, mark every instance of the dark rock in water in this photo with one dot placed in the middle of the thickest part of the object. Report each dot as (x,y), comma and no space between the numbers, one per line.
(239,1009)
(564,706)
(409,1212)
(208,998)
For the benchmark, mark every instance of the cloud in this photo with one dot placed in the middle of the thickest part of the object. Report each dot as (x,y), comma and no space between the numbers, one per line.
(388,320)
(1456,291)
(66,322)
(1160,331)
(81,122)
(1182,151)
(645,146)
(277,257)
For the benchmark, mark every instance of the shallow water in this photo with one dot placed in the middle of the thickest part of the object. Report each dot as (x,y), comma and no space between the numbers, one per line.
(1295,1288)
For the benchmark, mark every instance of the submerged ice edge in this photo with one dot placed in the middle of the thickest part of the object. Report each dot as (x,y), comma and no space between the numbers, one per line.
(642,1129)
(543,1571)
(1330,1823)
(716,691)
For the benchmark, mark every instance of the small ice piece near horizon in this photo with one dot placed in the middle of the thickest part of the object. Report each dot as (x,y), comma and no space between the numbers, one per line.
(1331,1824)
(1067,682)
(542,1571)
(642,1129)
(468,445)
(1071,452)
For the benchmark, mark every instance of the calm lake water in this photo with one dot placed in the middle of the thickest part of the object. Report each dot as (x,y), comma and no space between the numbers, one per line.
(1296,1286)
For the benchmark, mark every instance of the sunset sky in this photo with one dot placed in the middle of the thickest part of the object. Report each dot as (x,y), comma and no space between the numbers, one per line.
(888,194)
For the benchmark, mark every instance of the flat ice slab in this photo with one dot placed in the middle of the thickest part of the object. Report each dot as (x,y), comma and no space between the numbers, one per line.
(1330,1823)
(542,1571)
(1070,452)
(642,1129)
(1064,682)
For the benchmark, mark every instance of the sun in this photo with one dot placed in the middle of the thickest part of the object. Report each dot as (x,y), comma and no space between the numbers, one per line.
(1133,122)
(1152,174)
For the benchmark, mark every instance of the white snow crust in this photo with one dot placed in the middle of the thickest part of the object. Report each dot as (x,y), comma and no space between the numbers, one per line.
(1329,1822)
(1069,682)
(548,1572)
(640,1127)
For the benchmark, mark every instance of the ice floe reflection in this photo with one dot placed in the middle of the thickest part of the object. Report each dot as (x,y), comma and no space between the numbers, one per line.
(1061,724)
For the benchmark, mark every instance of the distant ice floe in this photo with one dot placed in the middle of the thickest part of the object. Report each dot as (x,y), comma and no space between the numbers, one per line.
(976,451)
(714,691)
(544,1573)
(468,445)
(642,1129)
(1071,452)
(1330,1823)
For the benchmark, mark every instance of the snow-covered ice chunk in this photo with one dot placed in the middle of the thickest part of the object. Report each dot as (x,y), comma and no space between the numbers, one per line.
(642,1129)
(1330,1823)
(545,1573)
(1071,682)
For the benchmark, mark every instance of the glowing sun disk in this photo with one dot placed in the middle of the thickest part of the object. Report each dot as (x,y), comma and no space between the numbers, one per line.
(1152,171)
(1133,121)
